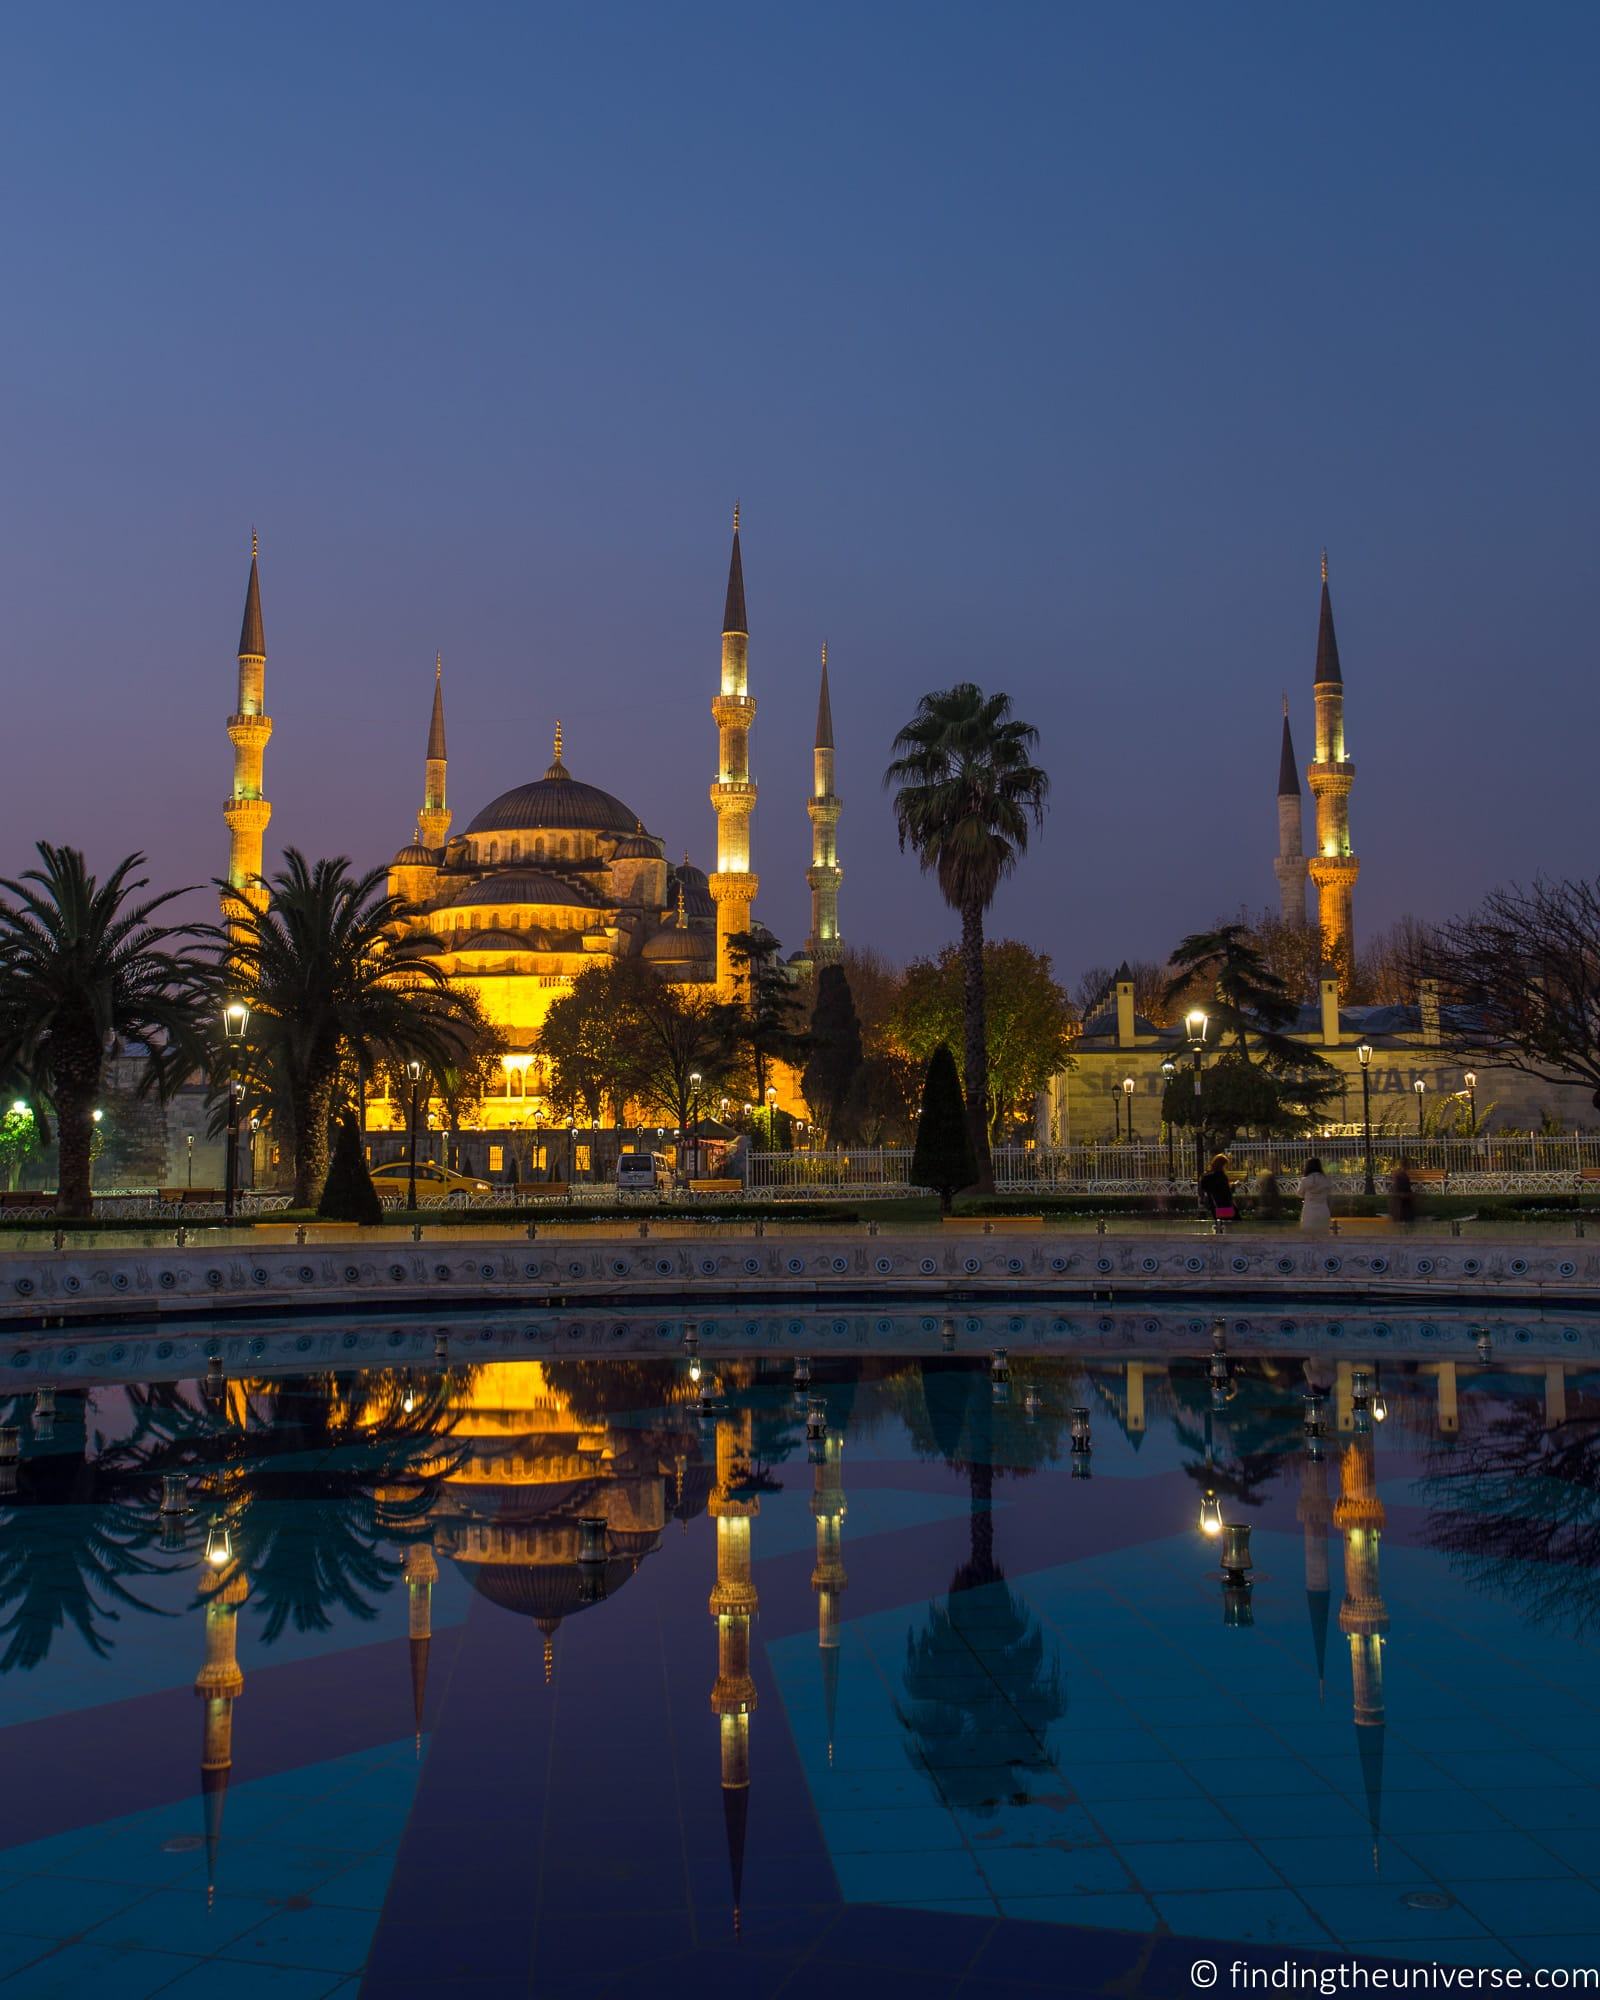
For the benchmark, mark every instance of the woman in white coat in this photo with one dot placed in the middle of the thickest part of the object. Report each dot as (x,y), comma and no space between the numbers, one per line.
(1315,1188)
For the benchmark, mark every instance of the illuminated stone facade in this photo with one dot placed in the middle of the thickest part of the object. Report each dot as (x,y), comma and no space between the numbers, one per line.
(246,810)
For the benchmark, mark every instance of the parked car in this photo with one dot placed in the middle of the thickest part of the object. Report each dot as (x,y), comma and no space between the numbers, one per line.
(643,1173)
(432,1181)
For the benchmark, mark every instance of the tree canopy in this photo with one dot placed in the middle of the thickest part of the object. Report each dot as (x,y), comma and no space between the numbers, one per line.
(1028,1021)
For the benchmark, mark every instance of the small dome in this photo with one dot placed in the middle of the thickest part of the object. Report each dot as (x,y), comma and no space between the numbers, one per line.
(522,886)
(696,891)
(415,856)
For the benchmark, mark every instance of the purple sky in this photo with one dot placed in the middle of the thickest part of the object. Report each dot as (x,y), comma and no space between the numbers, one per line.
(1043,345)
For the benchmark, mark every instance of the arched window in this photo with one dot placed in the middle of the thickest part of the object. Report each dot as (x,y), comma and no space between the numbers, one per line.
(494,850)
(516,848)
(566,848)
(538,848)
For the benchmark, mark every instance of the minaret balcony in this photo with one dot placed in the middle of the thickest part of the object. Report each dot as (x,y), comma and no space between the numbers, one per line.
(244,729)
(246,812)
(734,795)
(733,711)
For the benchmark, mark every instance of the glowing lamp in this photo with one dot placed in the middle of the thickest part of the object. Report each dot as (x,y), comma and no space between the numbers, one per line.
(1210,1514)
(1364,1054)
(219,1545)
(235,1019)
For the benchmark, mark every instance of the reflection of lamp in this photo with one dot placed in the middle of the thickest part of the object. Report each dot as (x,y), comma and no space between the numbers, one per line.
(1082,1443)
(1210,1513)
(219,1545)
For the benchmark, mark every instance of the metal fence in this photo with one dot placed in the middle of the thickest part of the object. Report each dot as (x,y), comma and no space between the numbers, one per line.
(1554,1162)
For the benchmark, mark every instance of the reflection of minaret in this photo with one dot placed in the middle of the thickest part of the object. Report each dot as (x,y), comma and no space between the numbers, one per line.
(1364,1617)
(828,1579)
(219,1684)
(421,1573)
(733,1506)
(1315,1513)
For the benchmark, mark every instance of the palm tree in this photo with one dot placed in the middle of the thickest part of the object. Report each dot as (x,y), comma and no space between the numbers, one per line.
(83,965)
(332,983)
(967,797)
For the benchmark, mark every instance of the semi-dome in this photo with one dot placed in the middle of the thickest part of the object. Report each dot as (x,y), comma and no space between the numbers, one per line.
(674,947)
(522,885)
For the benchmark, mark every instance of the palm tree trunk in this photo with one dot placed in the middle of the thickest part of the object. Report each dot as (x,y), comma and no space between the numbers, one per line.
(976,1063)
(75,1141)
(311,1108)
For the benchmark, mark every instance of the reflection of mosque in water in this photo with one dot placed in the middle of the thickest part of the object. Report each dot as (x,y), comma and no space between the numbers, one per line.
(548,1510)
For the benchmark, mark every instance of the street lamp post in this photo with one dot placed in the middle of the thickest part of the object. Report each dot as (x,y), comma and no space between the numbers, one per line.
(1116,1116)
(1196,1022)
(190,1143)
(772,1117)
(414,1073)
(1169,1069)
(1471,1081)
(235,1019)
(1419,1087)
(1127,1092)
(1364,1057)
(695,1081)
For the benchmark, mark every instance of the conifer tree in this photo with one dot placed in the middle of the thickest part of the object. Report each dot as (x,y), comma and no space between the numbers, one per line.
(836,1053)
(944,1158)
(348,1194)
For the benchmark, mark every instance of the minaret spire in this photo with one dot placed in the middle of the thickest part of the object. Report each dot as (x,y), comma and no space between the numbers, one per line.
(1290,866)
(733,795)
(219,1684)
(249,727)
(1334,867)
(433,823)
(828,1579)
(823,808)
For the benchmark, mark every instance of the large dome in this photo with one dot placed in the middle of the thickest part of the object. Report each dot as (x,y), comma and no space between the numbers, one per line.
(559,805)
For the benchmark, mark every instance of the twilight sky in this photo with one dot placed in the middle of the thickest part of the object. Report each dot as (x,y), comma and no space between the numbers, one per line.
(1044,346)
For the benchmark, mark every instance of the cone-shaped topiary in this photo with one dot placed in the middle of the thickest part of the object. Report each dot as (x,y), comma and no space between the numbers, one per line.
(943,1159)
(348,1194)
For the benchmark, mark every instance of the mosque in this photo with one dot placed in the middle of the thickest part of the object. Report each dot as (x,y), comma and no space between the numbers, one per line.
(558,874)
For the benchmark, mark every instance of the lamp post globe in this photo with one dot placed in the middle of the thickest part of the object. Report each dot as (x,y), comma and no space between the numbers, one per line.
(1169,1069)
(1471,1081)
(1420,1086)
(1127,1092)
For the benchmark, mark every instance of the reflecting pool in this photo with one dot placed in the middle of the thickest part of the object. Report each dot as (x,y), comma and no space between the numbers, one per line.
(995,1654)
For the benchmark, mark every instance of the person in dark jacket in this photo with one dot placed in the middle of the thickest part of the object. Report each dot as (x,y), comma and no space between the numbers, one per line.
(1216,1190)
(1402,1202)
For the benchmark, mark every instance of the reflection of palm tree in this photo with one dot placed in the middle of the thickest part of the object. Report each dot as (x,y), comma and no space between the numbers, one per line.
(980,1695)
(1520,1513)
(67,1542)
(1237,1454)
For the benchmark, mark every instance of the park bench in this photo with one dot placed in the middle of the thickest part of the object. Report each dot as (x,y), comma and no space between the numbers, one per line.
(726,1186)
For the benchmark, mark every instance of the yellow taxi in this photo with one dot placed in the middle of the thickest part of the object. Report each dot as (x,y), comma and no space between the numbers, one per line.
(432,1182)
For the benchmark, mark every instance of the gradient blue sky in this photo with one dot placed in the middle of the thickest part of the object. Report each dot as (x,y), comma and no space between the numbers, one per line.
(1045,345)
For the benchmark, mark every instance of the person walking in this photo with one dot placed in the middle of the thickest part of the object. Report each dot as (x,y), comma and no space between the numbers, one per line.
(1316,1212)
(1402,1202)
(1216,1190)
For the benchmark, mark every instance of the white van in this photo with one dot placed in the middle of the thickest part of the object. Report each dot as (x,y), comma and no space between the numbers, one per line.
(643,1173)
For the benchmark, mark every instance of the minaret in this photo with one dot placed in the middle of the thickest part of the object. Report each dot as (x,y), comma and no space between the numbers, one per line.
(421,1574)
(433,822)
(1290,866)
(825,873)
(733,886)
(249,727)
(1358,1514)
(1315,1513)
(828,1579)
(219,1684)
(733,1506)
(1333,867)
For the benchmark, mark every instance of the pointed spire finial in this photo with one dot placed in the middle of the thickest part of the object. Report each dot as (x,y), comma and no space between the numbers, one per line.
(1324,565)
(1286,704)
(252,640)
(438,667)
(558,739)
(255,545)
(683,920)
(824,652)
(736,517)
